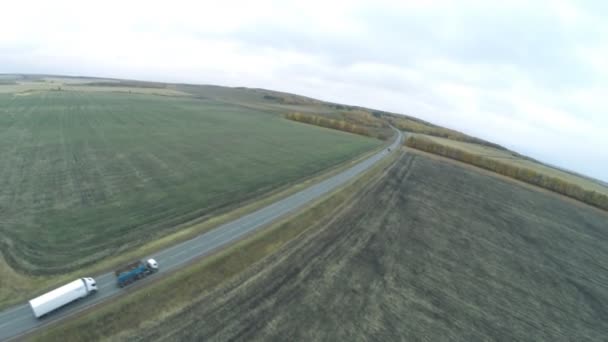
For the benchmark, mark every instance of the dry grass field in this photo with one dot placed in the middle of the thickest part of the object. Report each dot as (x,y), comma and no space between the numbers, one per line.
(433,252)
(25,87)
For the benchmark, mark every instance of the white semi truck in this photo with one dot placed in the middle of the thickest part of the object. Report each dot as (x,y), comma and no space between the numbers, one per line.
(61,296)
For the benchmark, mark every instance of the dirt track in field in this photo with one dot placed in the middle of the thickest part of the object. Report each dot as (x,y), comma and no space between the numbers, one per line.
(433,252)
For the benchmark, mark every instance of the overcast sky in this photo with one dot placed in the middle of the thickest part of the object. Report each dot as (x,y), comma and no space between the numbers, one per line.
(531,75)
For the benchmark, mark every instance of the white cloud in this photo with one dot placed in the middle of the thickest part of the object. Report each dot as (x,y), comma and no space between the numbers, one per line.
(531,76)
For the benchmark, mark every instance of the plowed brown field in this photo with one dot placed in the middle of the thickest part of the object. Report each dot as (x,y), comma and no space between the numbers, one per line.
(432,252)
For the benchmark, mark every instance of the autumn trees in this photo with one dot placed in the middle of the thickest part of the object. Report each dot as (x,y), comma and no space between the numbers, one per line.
(322,121)
(511,170)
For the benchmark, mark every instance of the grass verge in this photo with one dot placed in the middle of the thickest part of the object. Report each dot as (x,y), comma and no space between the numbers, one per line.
(170,294)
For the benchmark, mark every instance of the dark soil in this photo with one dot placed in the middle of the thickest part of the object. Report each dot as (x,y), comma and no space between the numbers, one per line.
(432,252)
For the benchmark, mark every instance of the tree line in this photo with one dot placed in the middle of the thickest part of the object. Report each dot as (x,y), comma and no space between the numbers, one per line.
(323,121)
(419,126)
(527,175)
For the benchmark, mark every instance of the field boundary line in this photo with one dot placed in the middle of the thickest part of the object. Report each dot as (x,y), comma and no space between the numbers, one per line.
(504,178)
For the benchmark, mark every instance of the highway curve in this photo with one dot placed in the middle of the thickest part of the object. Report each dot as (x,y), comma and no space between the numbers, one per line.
(19,319)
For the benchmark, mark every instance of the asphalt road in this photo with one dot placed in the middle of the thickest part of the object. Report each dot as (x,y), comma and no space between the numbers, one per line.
(18,320)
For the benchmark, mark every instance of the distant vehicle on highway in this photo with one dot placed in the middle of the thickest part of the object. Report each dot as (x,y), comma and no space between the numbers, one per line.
(135,271)
(63,295)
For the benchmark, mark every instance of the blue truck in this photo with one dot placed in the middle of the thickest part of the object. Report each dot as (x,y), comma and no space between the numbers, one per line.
(135,271)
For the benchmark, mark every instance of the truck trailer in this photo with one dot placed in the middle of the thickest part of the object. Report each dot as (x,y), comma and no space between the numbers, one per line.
(61,296)
(135,271)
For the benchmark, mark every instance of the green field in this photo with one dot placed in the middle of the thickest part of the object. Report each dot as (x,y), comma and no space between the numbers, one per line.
(126,318)
(90,174)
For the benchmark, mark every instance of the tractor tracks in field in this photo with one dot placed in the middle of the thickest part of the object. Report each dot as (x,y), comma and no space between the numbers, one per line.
(253,301)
